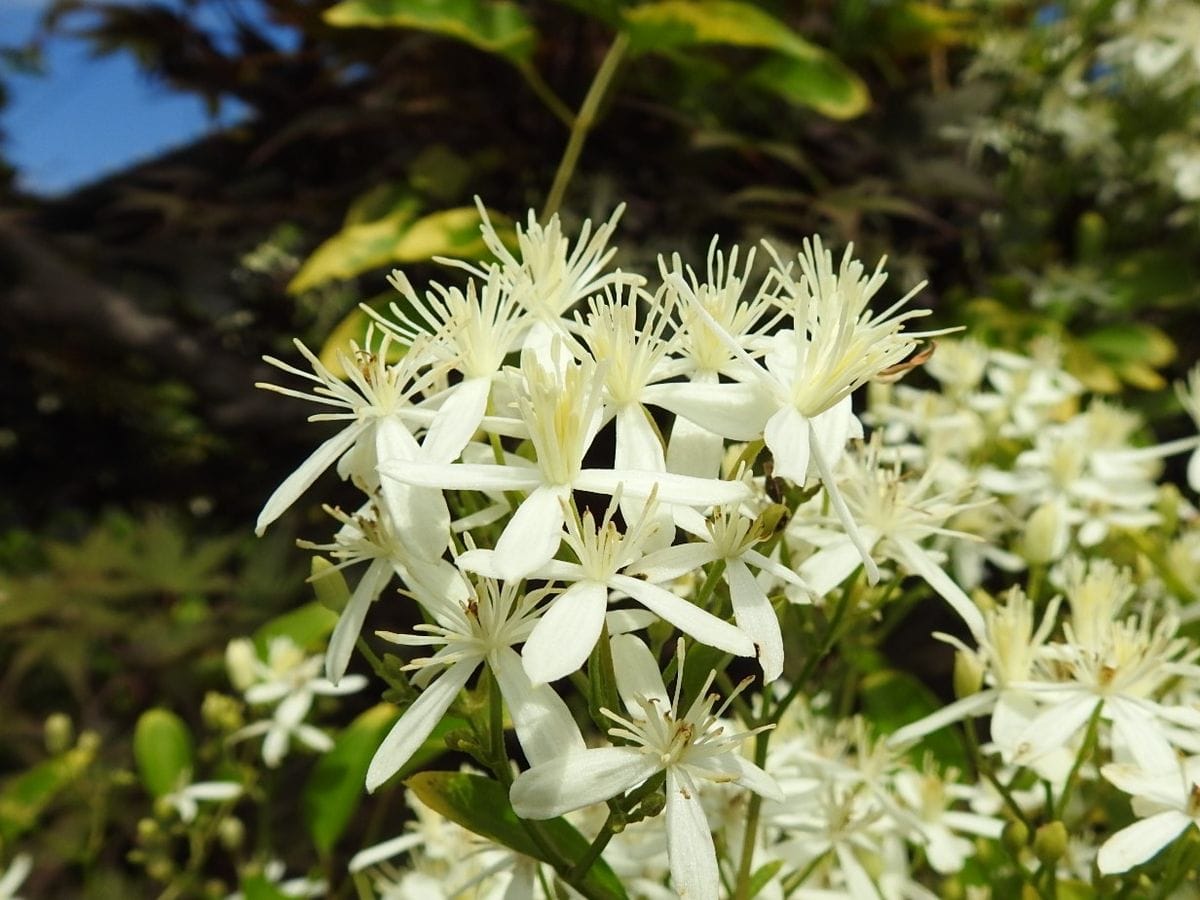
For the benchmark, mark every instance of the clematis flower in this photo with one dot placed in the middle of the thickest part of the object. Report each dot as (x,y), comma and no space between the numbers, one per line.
(185,800)
(574,620)
(1165,800)
(480,631)
(562,411)
(690,747)
(16,873)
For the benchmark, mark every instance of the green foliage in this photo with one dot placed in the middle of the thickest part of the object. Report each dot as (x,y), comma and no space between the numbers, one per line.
(481,805)
(24,797)
(163,749)
(493,26)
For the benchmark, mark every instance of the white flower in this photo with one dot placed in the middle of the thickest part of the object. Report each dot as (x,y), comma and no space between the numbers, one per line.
(185,800)
(689,747)
(290,681)
(1165,800)
(566,634)
(275,874)
(562,412)
(1189,397)
(481,630)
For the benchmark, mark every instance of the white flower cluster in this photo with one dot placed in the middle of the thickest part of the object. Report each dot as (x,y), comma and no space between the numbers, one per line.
(711,415)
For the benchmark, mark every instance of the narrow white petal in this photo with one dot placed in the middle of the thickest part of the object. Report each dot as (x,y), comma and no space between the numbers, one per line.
(1054,726)
(1138,731)
(350,622)
(686,616)
(579,779)
(456,421)
(825,467)
(637,673)
(275,746)
(671,562)
(972,705)
(532,535)
(694,450)
(690,849)
(756,779)
(1165,787)
(542,721)
(671,488)
(736,411)
(920,563)
(308,472)
(565,635)
(417,723)
(830,566)
(753,613)
(464,476)
(1140,841)
(377,853)
(637,445)
(213,790)
(787,437)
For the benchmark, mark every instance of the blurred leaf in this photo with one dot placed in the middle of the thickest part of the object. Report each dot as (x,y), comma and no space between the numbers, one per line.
(494,27)
(917,27)
(24,796)
(354,327)
(892,699)
(307,626)
(162,747)
(396,238)
(798,71)
(257,887)
(335,787)
(1133,342)
(481,805)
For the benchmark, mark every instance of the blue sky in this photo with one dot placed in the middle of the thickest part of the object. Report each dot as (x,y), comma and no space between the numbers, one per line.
(86,117)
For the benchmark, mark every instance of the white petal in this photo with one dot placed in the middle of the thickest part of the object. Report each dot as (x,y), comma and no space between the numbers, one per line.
(532,535)
(671,488)
(542,721)
(308,472)
(830,566)
(464,476)
(825,467)
(377,853)
(919,562)
(672,562)
(1054,726)
(694,450)
(972,705)
(18,871)
(637,672)
(1140,841)
(213,790)
(755,779)
(686,616)
(637,444)
(736,411)
(579,779)
(690,849)
(787,437)
(1165,787)
(565,635)
(1143,736)
(275,746)
(456,421)
(350,622)
(417,723)
(753,613)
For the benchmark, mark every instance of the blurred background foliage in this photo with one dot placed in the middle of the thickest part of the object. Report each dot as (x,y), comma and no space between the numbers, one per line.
(1038,163)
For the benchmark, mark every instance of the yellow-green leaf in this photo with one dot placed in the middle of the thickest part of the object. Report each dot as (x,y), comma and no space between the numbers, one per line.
(162,747)
(25,796)
(494,27)
(399,237)
(306,626)
(798,71)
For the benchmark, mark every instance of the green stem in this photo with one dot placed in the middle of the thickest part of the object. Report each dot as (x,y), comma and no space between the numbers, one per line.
(583,124)
(1089,743)
(710,584)
(982,767)
(538,85)
(377,666)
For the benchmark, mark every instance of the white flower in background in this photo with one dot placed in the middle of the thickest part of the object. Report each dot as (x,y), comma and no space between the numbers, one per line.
(1166,801)
(1028,392)
(895,513)
(14,876)
(275,873)
(185,800)
(562,412)
(690,747)
(1189,397)
(480,631)
(939,827)
(574,620)
(373,394)
(290,681)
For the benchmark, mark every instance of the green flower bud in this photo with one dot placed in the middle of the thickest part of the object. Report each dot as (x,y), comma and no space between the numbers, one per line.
(1015,836)
(1050,842)
(59,733)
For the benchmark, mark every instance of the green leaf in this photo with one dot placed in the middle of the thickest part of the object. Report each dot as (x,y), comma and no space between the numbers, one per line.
(481,805)
(306,626)
(25,796)
(798,71)
(763,876)
(398,237)
(822,84)
(335,787)
(494,27)
(257,887)
(892,699)
(162,746)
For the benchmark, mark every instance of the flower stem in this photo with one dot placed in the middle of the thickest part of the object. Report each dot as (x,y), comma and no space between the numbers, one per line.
(582,124)
(1089,744)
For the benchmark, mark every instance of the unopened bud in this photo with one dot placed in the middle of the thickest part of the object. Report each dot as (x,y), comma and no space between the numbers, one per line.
(1050,842)
(147,830)
(241,661)
(221,712)
(1015,836)
(1046,535)
(59,733)
(231,832)
(968,674)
